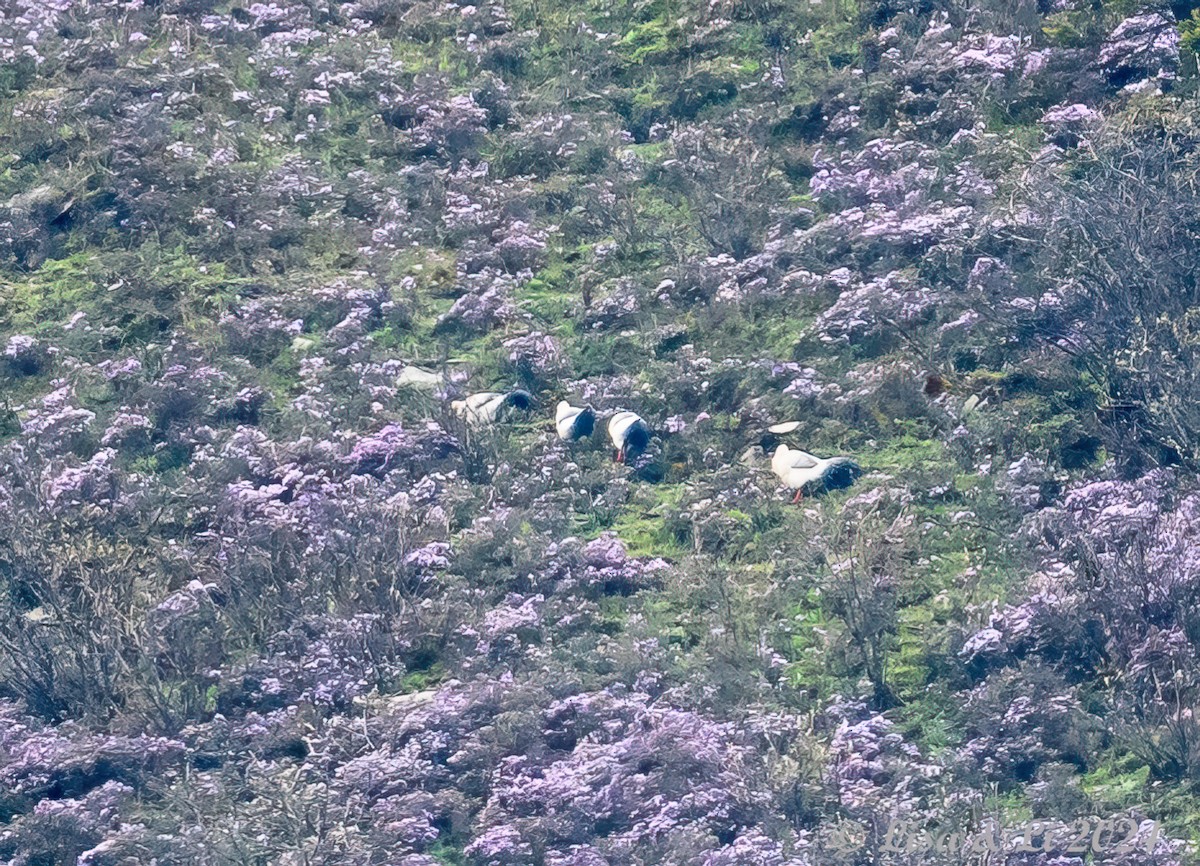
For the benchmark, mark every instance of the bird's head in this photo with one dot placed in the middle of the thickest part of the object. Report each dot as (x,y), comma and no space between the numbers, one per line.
(520,399)
(767,442)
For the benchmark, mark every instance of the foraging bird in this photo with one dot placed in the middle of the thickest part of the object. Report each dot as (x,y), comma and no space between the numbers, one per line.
(799,470)
(629,433)
(573,422)
(488,407)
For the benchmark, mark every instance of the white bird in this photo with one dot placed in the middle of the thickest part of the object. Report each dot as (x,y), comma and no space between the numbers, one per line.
(629,434)
(798,470)
(487,407)
(414,377)
(573,422)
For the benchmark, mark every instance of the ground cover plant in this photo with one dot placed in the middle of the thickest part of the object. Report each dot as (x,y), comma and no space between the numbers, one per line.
(265,598)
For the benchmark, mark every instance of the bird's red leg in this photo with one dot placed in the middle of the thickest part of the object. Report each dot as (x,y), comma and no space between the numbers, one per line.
(620,455)
(799,495)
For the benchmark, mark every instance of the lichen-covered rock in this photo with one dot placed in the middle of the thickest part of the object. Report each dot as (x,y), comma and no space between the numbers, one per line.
(1143,47)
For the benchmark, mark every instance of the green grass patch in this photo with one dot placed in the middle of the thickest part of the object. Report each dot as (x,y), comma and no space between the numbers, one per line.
(645,523)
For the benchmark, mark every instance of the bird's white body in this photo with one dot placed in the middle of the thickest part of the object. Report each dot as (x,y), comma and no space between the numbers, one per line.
(484,408)
(479,409)
(629,434)
(573,422)
(798,469)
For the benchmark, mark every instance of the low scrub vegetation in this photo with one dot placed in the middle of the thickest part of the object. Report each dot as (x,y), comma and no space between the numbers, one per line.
(265,598)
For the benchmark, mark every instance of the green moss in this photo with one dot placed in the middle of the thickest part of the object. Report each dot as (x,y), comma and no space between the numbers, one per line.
(837,43)
(677,622)
(1189,30)
(551,294)
(419,681)
(805,633)
(613,615)
(1117,783)
(765,330)
(602,355)
(930,719)
(908,451)
(167,460)
(142,293)
(645,523)
(1121,781)
(907,669)
(650,40)
(51,293)
(1011,806)
(447,853)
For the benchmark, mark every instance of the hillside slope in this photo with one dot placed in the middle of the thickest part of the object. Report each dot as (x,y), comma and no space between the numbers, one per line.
(265,599)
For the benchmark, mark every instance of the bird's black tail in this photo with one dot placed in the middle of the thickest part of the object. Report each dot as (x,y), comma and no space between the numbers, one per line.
(519,399)
(636,440)
(585,423)
(842,474)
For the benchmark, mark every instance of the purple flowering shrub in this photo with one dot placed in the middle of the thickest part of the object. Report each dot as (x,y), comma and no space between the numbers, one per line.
(1113,594)
(876,776)
(265,598)
(669,782)
(1020,720)
(1119,282)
